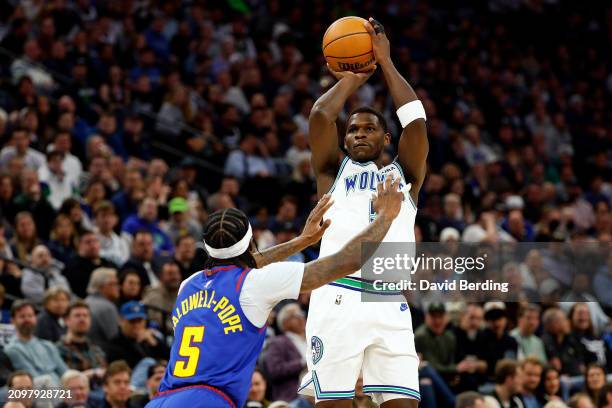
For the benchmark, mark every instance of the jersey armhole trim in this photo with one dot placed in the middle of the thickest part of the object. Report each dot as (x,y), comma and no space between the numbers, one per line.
(399,168)
(344,161)
(245,271)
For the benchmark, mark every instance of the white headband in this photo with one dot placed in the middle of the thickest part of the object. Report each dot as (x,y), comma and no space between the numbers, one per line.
(230,252)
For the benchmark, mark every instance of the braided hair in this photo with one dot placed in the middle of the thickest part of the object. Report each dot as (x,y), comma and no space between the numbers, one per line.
(223,229)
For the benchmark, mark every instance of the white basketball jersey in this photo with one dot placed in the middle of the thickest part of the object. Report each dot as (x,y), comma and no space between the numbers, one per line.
(352,210)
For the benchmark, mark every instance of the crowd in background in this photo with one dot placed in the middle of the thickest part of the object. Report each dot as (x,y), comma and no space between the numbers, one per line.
(123,124)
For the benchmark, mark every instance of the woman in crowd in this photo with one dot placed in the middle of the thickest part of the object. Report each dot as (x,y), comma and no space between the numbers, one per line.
(50,325)
(550,386)
(594,381)
(26,236)
(63,238)
(584,331)
(130,286)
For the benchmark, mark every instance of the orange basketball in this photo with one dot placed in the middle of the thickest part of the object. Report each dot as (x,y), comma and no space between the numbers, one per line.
(347,45)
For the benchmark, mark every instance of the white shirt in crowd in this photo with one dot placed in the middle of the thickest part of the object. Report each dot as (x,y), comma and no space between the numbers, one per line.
(114,248)
(60,187)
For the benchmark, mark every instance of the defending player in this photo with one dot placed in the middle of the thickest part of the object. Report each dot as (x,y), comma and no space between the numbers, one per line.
(220,313)
(345,334)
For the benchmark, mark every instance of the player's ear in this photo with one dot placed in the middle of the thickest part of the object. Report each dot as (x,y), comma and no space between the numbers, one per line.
(387,138)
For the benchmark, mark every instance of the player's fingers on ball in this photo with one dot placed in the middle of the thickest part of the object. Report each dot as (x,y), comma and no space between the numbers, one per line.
(368,27)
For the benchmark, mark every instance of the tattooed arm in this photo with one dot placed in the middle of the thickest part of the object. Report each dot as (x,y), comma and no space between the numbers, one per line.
(387,204)
(312,233)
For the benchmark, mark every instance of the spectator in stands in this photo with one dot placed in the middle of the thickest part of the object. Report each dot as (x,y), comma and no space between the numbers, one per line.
(135,341)
(59,184)
(528,343)
(155,373)
(580,400)
(74,210)
(437,345)
(285,356)
(185,254)
(251,159)
(180,222)
(7,194)
(594,381)
(62,243)
(71,165)
(259,386)
(25,238)
(287,214)
(597,350)
(453,213)
(605,396)
(95,193)
(112,247)
(29,65)
(22,380)
(142,258)
(33,201)
(485,230)
(78,271)
(160,298)
(470,399)
(127,198)
(531,368)
(29,353)
(468,335)
(77,351)
(20,147)
(50,325)
(116,385)
(43,273)
(507,384)
(602,284)
(78,385)
(130,286)
(146,220)
(103,290)
(550,386)
(565,353)
(497,342)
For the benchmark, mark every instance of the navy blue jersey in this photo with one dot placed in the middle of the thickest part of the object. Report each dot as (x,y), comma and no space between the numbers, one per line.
(214,343)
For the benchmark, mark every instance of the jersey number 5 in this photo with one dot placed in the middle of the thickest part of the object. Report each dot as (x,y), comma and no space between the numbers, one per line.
(191,334)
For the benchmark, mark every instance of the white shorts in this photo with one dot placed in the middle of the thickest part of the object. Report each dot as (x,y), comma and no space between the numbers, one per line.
(347,337)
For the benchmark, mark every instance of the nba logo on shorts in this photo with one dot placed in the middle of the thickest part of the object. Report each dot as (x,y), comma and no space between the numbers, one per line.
(317,349)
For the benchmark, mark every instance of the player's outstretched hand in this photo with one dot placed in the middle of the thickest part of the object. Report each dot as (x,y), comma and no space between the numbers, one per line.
(380,42)
(358,78)
(315,227)
(388,199)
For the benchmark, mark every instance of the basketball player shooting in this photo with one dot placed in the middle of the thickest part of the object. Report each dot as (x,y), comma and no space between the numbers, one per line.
(348,336)
(221,312)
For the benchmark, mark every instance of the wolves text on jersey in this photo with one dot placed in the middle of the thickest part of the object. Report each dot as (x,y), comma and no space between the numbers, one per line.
(365,180)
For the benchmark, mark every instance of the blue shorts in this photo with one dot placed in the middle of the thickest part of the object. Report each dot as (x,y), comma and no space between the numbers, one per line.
(197,396)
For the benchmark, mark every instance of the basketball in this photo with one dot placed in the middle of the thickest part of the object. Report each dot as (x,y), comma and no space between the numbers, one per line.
(347,45)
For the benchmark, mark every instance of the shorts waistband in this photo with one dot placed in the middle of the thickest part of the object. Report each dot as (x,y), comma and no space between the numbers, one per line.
(207,387)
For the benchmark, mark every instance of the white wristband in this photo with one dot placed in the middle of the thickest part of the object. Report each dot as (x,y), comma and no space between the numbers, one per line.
(410,112)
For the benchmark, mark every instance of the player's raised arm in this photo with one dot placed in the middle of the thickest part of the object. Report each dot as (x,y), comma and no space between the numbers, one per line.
(413,144)
(311,234)
(387,203)
(322,132)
